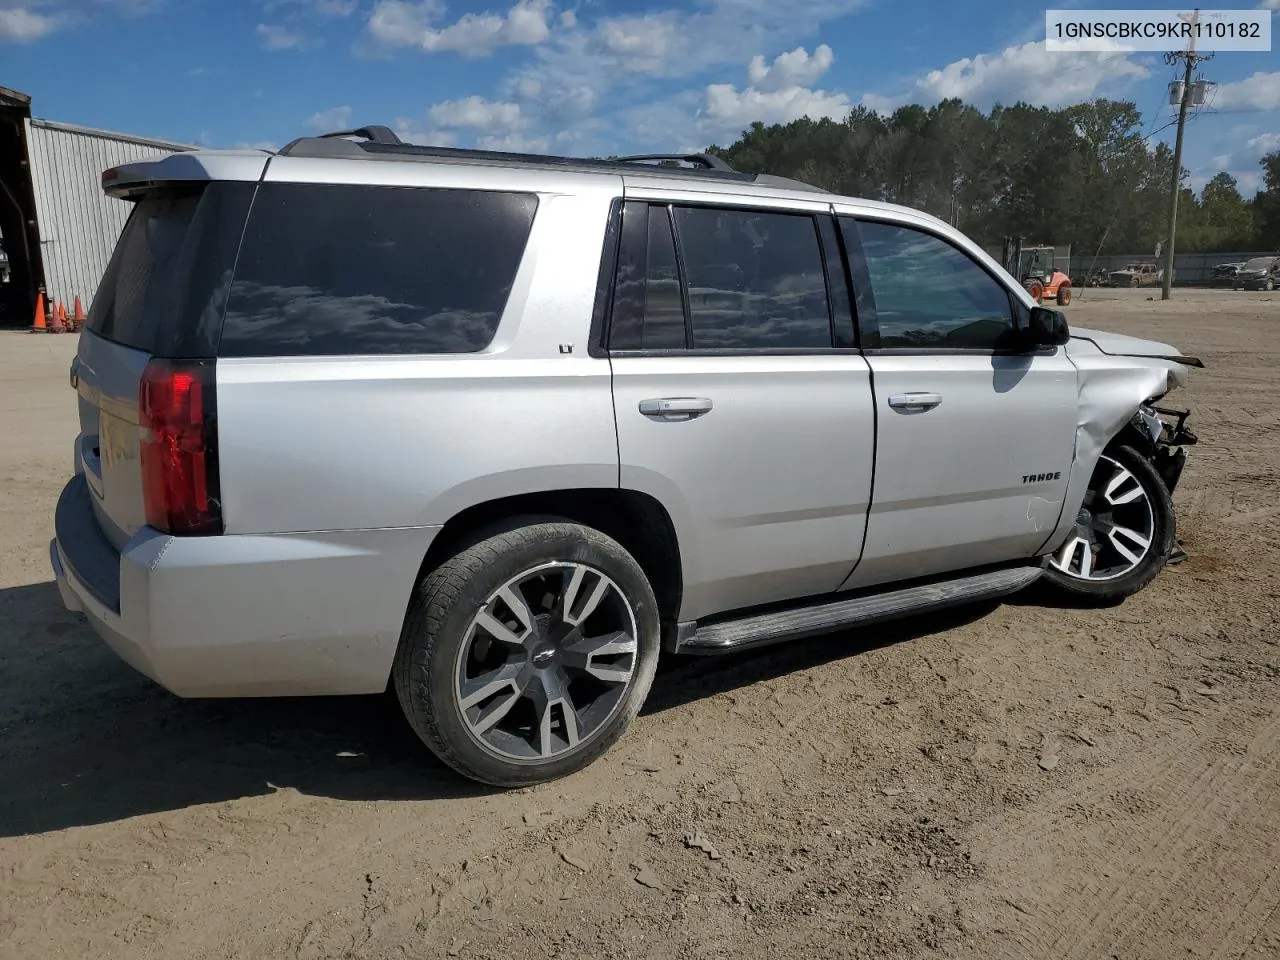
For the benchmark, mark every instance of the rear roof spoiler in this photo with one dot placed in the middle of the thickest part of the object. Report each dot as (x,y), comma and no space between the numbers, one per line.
(128,181)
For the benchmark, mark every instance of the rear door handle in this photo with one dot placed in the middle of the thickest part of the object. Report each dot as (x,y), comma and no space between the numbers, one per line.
(675,408)
(915,401)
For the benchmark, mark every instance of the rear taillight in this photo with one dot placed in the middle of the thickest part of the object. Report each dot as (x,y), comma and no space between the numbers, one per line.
(177,414)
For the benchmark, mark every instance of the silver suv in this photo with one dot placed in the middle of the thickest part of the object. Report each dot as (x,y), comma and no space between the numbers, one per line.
(495,431)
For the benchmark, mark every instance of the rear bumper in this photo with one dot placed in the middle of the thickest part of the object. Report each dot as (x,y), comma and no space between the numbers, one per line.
(242,615)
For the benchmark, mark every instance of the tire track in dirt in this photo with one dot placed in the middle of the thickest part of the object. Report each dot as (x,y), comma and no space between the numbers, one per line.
(1182,834)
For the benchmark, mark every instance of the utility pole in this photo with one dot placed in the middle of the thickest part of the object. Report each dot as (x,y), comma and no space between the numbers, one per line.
(1189,58)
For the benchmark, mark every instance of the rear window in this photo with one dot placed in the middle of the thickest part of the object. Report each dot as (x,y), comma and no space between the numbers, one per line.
(165,285)
(331,270)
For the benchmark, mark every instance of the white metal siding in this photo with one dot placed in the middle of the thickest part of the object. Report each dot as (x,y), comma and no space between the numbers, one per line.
(78,223)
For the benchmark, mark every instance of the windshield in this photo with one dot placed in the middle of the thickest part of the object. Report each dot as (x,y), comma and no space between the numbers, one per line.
(1259,263)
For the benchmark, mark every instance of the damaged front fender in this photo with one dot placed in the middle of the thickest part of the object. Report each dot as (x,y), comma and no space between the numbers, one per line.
(1117,393)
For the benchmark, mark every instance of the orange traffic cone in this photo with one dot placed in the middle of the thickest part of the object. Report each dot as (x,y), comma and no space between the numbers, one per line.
(57,324)
(77,318)
(38,324)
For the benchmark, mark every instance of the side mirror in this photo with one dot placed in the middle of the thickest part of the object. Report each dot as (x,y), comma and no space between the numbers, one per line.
(1047,328)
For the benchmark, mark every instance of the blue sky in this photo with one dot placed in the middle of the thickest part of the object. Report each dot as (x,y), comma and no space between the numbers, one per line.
(584,76)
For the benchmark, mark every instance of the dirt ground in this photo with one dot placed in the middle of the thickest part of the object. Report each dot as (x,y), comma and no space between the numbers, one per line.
(1007,781)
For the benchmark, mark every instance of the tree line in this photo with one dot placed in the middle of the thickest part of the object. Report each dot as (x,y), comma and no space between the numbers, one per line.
(1086,175)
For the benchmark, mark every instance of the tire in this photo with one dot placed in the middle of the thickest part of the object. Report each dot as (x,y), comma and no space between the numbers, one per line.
(1269,285)
(1065,570)
(1036,290)
(1064,295)
(445,638)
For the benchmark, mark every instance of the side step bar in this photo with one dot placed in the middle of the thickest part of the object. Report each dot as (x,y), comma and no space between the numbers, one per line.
(780,626)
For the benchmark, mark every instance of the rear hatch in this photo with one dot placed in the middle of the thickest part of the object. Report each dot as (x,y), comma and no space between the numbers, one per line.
(161,297)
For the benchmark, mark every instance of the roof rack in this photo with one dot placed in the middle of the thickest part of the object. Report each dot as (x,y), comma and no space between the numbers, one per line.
(709,161)
(373,133)
(379,142)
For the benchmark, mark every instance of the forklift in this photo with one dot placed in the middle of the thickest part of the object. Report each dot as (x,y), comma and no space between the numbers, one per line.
(1034,268)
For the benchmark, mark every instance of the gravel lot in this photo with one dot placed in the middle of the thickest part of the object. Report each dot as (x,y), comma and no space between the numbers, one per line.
(880,794)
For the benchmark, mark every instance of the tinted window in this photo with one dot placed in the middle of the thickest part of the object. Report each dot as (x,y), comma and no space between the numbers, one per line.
(648,310)
(754,279)
(330,270)
(167,280)
(930,294)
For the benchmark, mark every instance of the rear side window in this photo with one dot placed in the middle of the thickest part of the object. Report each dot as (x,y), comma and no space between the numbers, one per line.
(329,270)
(723,280)
(755,279)
(167,280)
(648,309)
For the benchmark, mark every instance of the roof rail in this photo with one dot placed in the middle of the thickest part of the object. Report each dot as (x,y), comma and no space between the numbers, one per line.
(707,160)
(379,142)
(373,133)
(336,144)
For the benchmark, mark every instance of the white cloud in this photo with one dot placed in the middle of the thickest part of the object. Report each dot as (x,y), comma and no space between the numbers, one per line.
(611,59)
(644,44)
(730,110)
(795,68)
(514,143)
(1241,163)
(1027,73)
(257,145)
(326,121)
(411,131)
(24,26)
(1266,143)
(880,103)
(1258,92)
(477,113)
(396,23)
(275,36)
(25,21)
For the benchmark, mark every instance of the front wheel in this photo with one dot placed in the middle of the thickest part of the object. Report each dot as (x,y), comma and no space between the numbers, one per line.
(526,655)
(1124,531)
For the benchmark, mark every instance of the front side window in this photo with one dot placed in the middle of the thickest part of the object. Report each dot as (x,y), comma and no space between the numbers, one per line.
(929,294)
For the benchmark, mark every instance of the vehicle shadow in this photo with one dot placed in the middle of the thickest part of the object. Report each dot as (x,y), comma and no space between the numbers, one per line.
(87,740)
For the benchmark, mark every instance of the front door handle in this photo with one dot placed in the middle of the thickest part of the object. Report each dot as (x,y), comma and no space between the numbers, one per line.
(915,401)
(675,408)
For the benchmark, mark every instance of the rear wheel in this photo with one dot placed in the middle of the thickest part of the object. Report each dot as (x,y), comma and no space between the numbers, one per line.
(1270,285)
(1064,295)
(1124,531)
(526,655)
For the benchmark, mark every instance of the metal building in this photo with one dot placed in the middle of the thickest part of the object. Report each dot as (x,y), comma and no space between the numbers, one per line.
(58,227)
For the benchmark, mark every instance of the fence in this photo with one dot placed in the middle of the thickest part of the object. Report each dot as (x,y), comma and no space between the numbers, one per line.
(1188,268)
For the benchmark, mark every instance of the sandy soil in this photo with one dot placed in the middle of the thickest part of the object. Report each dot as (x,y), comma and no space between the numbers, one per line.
(882,794)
